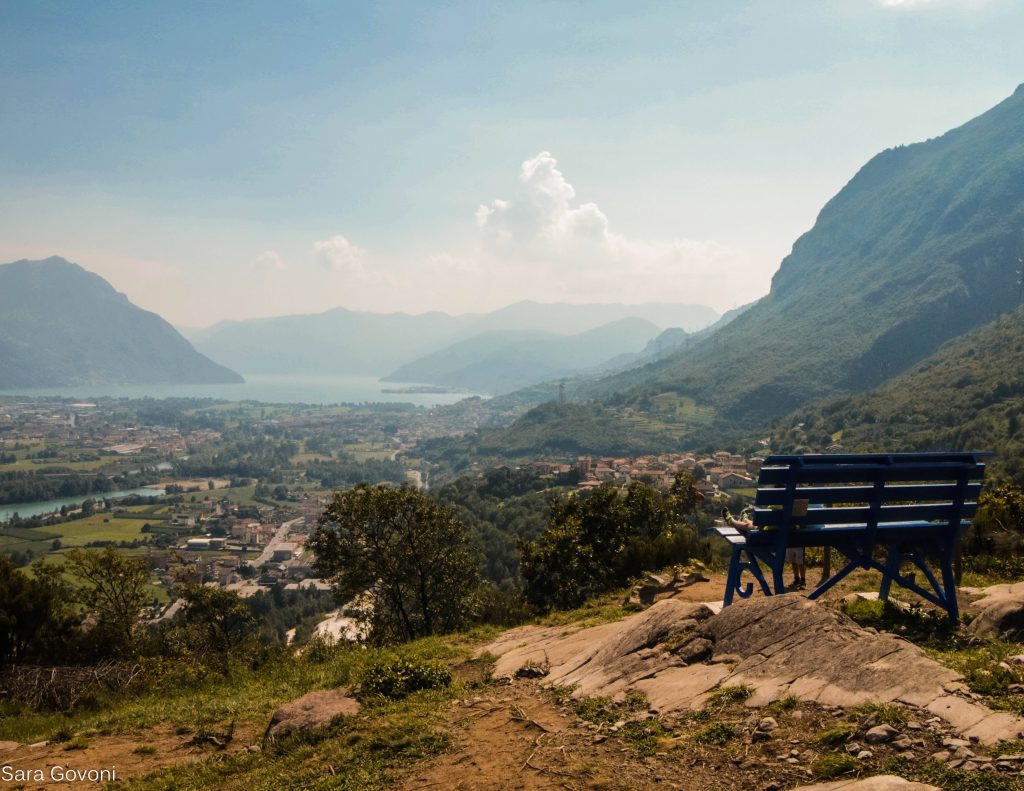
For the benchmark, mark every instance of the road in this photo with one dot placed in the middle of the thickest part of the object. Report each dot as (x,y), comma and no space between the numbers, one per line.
(275,542)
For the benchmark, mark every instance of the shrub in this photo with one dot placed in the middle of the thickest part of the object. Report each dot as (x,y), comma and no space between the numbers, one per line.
(401,677)
(715,733)
(834,735)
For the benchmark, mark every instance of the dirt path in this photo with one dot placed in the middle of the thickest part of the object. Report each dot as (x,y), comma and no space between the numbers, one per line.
(127,756)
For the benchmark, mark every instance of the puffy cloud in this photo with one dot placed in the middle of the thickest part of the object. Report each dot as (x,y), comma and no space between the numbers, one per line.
(270,261)
(546,234)
(339,254)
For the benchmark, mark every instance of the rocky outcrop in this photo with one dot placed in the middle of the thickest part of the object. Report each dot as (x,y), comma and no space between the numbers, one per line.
(311,711)
(999,611)
(677,652)
(877,783)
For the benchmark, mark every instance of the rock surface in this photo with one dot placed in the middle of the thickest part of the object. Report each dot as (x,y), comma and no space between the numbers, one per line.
(313,710)
(779,645)
(1000,612)
(5,746)
(877,783)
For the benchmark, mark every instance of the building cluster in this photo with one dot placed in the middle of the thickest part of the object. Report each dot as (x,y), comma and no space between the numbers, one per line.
(716,471)
(92,428)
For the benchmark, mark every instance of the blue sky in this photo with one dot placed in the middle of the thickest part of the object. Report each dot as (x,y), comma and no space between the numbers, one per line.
(226,160)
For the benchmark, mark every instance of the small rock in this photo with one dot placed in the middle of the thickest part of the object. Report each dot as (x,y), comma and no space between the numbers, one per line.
(599,738)
(853,748)
(952,743)
(618,726)
(1017,659)
(864,755)
(792,761)
(881,734)
(313,710)
(253,748)
(941,755)
(772,787)
(902,743)
(37,744)
(969,766)
(986,767)
(797,715)
(794,753)
(956,763)
(963,752)
(914,726)
(760,736)
(767,724)
(906,755)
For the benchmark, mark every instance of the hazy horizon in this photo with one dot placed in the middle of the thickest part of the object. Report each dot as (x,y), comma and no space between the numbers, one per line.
(219,166)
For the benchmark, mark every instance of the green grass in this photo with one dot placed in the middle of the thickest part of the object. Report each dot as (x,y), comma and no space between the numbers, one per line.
(715,733)
(729,694)
(887,713)
(837,734)
(832,765)
(181,697)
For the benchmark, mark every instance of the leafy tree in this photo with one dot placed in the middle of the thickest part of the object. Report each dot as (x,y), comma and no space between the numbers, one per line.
(216,624)
(410,551)
(595,544)
(37,619)
(116,588)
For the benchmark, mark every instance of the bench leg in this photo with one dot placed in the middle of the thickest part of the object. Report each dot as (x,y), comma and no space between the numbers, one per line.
(949,586)
(893,557)
(737,565)
(732,579)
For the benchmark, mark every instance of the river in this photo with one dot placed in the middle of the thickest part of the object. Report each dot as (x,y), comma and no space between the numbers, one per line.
(271,389)
(49,506)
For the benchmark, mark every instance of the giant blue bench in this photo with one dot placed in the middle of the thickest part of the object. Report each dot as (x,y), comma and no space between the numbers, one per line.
(881,511)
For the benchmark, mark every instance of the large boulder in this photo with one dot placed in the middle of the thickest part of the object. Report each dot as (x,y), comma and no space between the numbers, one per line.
(311,711)
(999,612)
(877,783)
(678,652)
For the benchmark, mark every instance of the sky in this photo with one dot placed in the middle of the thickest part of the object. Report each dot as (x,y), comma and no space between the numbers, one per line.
(218,160)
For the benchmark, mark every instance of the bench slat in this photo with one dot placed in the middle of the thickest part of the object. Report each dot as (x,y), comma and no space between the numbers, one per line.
(926,512)
(829,495)
(868,473)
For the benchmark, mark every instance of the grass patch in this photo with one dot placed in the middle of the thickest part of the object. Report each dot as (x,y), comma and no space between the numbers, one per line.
(715,733)
(832,765)
(784,704)
(881,713)
(144,749)
(940,775)
(602,609)
(729,694)
(78,743)
(836,734)
(644,737)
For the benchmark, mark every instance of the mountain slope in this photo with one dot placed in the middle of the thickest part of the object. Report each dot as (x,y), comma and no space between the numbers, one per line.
(61,325)
(920,247)
(498,361)
(967,396)
(337,341)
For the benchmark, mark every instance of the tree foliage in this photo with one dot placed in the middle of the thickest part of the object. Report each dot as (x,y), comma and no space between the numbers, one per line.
(598,543)
(411,552)
(115,589)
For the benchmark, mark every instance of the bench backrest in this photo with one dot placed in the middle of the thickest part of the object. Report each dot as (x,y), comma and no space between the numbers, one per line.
(868,490)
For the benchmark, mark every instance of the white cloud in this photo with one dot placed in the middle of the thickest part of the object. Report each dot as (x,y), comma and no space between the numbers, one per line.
(546,235)
(270,261)
(339,254)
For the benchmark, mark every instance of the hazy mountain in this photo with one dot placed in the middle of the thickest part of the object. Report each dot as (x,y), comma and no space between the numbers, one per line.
(61,325)
(342,341)
(920,247)
(563,318)
(338,341)
(498,361)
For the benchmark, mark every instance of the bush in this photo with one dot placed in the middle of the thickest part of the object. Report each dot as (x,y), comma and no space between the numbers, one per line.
(401,677)
(715,733)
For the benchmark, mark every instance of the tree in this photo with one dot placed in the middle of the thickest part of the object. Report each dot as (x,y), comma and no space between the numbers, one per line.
(116,588)
(37,619)
(216,624)
(595,544)
(411,552)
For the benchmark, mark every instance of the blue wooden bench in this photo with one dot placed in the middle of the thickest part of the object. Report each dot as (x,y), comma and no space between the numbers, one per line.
(913,507)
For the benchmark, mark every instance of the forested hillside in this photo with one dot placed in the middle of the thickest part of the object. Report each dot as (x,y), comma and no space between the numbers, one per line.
(967,396)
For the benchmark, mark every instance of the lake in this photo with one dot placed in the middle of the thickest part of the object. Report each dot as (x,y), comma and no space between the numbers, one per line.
(275,389)
(49,506)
